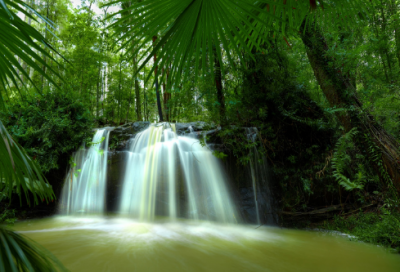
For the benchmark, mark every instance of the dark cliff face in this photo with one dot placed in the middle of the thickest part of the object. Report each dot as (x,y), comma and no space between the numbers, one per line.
(240,180)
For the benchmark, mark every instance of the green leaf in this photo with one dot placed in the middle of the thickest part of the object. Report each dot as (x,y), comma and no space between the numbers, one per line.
(19,172)
(19,39)
(18,253)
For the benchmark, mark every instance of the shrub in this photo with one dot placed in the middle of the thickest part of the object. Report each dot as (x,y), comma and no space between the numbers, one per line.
(48,127)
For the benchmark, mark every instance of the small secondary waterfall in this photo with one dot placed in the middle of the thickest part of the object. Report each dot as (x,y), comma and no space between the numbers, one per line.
(173,176)
(259,178)
(85,185)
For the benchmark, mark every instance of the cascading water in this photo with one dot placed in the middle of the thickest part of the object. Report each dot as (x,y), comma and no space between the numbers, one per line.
(174,176)
(85,185)
(259,178)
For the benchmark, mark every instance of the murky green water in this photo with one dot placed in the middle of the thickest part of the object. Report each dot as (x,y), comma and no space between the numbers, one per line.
(101,244)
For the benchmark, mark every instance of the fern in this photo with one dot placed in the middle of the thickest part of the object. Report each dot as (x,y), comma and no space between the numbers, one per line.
(376,157)
(341,158)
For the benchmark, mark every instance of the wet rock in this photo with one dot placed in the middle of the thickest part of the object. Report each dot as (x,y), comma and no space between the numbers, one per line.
(115,173)
(248,207)
(120,136)
(184,128)
(140,126)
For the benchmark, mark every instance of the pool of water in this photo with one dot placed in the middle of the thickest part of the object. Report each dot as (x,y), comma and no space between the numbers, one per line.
(117,244)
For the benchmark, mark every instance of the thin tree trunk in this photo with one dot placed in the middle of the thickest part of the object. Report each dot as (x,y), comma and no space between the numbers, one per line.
(98,91)
(396,29)
(120,91)
(29,21)
(386,49)
(160,114)
(137,92)
(46,37)
(220,92)
(145,114)
(380,51)
(130,98)
(340,93)
(166,94)
(165,99)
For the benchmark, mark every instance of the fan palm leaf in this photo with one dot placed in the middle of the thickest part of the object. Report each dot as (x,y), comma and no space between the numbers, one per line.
(19,173)
(18,253)
(191,29)
(19,39)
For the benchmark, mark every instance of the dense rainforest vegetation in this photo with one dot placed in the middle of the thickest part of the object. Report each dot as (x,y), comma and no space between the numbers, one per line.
(319,79)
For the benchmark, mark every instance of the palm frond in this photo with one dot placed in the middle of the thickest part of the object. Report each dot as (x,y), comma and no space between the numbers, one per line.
(19,174)
(19,254)
(191,29)
(19,39)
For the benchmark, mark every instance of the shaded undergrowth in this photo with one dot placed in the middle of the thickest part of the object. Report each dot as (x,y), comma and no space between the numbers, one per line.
(380,227)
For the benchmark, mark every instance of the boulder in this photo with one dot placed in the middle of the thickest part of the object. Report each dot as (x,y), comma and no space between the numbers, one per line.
(184,128)
(120,136)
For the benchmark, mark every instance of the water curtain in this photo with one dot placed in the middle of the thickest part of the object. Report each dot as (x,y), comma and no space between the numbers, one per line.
(85,186)
(174,176)
(166,176)
(259,177)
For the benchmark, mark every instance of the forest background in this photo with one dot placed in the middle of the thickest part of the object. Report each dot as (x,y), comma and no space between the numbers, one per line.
(318,161)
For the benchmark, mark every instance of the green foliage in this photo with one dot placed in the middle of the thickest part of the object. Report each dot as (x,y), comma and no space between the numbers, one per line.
(341,159)
(295,133)
(49,127)
(219,154)
(235,141)
(381,228)
(376,157)
(193,29)
(20,42)
(18,253)
(23,41)
(8,217)
(20,174)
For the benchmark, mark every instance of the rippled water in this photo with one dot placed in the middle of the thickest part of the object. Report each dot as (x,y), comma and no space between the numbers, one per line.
(116,244)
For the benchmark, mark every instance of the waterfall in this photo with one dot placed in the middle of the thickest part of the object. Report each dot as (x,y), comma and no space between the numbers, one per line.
(85,185)
(174,176)
(259,178)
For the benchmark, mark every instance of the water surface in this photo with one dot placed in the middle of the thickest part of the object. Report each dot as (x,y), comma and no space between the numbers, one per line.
(117,244)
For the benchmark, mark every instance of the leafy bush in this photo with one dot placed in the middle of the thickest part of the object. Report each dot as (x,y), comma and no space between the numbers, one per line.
(382,228)
(48,127)
(7,217)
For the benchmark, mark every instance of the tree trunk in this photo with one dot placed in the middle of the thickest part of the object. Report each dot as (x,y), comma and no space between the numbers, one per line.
(339,92)
(167,96)
(43,55)
(25,65)
(120,91)
(160,114)
(145,114)
(220,92)
(137,92)
(396,30)
(98,91)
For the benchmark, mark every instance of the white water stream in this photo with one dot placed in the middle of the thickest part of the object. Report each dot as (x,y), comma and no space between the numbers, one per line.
(166,175)
(174,176)
(85,186)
